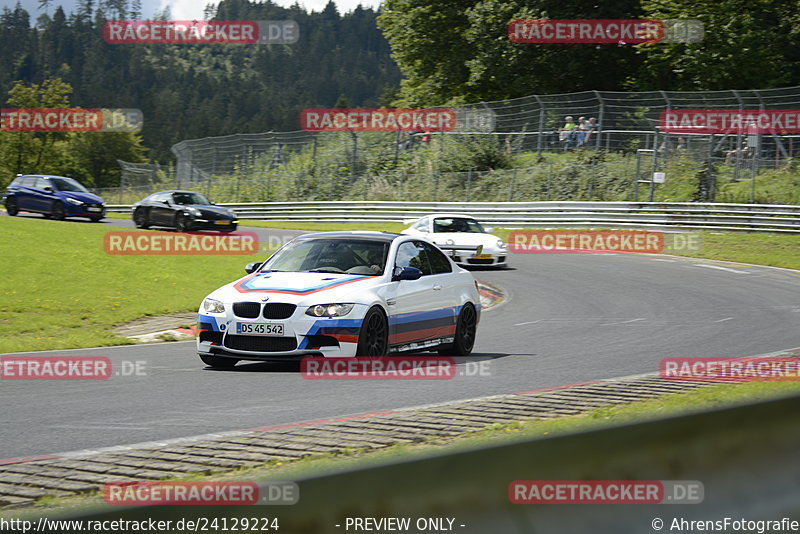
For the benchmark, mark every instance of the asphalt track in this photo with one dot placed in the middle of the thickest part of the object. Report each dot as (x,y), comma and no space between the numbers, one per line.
(570,318)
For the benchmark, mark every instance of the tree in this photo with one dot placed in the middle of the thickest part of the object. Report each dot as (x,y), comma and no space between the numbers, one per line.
(91,157)
(27,152)
(458,50)
(747,45)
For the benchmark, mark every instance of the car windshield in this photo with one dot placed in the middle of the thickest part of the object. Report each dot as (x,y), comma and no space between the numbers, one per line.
(190,198)
(352,256)
(67,184)
(457,224)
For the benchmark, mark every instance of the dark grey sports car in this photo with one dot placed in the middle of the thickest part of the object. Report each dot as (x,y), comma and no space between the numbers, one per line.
(184,211)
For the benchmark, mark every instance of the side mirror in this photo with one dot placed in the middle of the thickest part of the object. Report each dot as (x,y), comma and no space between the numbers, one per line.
(48,189)
(167,202)
(489,229)
(250,268)
(406,273)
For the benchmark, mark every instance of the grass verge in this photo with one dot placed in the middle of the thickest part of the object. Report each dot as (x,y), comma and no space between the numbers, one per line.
(61,290)
(677,404)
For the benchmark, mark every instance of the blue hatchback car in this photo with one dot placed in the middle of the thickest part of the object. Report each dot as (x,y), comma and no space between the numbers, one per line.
(54,196)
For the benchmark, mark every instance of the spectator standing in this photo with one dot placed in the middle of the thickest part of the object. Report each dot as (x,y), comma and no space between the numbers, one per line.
(582,131)
(566,134)
(593,126)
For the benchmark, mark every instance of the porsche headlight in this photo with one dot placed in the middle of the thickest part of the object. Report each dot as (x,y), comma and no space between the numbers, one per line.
(329,310)
(74,201)
(500,244)
(213,306)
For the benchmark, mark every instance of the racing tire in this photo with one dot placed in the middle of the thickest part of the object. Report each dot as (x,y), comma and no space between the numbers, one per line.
(218,362)
(140,219)
(11,206)
(464,338)
(182,223)
(373,338)
(57,211)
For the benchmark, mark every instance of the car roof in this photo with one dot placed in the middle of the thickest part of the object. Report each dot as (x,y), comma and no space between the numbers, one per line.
(445,215)
(173,191)
(367,234)
(44,176)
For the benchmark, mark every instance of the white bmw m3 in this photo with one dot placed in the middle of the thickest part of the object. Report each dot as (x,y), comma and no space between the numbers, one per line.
(342,294)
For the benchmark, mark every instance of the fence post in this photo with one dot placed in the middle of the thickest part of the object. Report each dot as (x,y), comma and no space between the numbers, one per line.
(655,166)
(541,124)
(600,118)
(710,176)
(396,147)
(355,155)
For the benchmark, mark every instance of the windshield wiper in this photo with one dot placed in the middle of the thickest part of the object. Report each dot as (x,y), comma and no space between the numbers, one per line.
(325,270)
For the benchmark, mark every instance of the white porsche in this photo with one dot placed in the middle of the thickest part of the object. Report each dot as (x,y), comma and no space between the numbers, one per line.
(341,294)
(462,237)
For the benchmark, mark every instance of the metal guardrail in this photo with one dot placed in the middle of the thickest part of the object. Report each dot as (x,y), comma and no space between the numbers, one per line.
(653,215)
(744,456)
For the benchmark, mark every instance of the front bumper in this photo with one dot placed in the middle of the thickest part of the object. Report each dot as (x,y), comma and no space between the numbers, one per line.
(303,335)
(466,258)
(87,209)
(222,225)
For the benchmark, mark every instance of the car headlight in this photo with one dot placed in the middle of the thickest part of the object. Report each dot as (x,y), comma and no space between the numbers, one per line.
(329,310)
(74,201)
(213,306)
(500,244)
(449,242)
(192,211)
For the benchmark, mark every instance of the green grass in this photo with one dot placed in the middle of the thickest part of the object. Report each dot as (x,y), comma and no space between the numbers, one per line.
(61,290)
(708,398)
(761,249)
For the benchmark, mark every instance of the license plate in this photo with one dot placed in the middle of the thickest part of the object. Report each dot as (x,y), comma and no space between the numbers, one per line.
(259,329)
(92,209)
(482,256)
(222,222)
